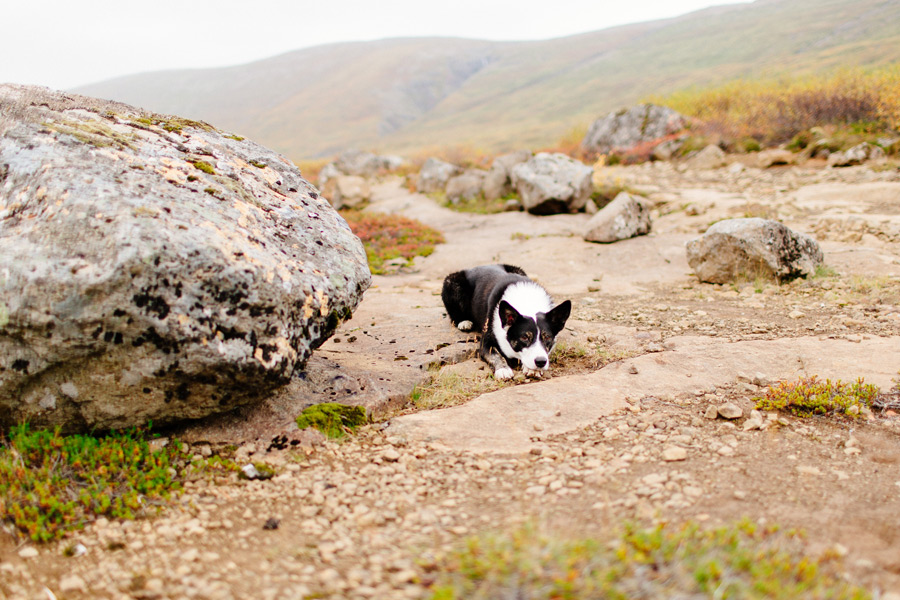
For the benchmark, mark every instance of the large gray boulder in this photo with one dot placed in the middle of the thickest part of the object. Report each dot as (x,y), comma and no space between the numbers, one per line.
(625,217)
(498,182)
(434,175)
(751,248)
(626,128)
(552,183)
(153,268)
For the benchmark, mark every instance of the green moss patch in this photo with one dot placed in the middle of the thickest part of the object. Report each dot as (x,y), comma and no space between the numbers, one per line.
(333,419)
(738,561)
(203,166)
(52,483)
(810,396)
(386,237)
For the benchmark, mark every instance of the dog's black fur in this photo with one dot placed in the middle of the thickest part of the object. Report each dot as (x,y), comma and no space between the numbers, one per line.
(474,299)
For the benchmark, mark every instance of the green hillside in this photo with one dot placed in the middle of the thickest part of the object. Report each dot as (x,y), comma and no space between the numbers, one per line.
(407,95)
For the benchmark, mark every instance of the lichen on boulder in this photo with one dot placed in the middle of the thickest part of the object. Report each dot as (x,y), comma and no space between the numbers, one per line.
(138,286)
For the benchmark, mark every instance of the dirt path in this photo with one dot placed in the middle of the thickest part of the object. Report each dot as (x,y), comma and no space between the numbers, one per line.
(579,452)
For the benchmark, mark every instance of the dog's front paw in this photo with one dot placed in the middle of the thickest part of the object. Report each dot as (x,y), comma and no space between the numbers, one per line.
(533,373)
(503,373)
(465,326)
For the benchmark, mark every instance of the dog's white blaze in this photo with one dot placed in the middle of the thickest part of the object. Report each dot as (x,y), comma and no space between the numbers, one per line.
(528,298)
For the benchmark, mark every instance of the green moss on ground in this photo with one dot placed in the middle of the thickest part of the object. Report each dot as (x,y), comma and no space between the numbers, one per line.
(333,419)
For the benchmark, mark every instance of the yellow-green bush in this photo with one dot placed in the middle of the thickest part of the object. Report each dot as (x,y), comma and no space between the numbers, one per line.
(776,110)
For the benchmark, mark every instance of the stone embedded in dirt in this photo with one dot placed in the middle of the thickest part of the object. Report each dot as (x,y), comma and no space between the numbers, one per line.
(155,269)
(466,186)
(752,248)
(434,175)
(674,453)
(552,183)
(626,128)
(711,157)
(625,217)
(497,182)
(856,155)
(730,411)
(775,156)
(755,421)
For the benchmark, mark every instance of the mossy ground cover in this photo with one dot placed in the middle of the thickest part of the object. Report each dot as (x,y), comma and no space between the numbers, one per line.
(737,561)
(51,483)
(333,419)
(810,396)
(387,237)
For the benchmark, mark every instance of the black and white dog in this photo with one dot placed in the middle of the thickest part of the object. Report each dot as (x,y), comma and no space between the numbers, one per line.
(515,316)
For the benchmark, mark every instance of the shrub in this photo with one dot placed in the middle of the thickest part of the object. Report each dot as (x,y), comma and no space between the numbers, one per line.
(386,237)
(52,483)
(809,396)
(736,561)
(775,111)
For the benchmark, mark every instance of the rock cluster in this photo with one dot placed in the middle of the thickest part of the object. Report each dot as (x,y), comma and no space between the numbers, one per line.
(155,268)
(345,182)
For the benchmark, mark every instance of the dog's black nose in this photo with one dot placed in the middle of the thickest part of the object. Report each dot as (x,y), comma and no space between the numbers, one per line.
(540,362)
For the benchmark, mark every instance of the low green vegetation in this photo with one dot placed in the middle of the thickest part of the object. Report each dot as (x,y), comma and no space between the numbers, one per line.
(388,237)
(51,483)
(447,388)
(809,396)
(333,419)
(738,561)
(478,205)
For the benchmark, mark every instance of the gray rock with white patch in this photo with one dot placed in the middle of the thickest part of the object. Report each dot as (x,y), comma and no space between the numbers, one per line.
(153,268)
(552,183)
(752,248)
(434,175)
(624,129)
(625,217)
(497,182)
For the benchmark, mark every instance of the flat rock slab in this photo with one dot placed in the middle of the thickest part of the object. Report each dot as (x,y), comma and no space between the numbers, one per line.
(506,421)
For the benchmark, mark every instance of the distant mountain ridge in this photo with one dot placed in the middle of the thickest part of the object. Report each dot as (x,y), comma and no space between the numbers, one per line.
(407,95)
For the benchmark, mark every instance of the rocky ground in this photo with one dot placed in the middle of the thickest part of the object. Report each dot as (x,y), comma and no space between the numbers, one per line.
(579,452)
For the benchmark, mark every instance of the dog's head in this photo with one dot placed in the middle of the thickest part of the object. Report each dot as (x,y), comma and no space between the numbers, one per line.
(532,338)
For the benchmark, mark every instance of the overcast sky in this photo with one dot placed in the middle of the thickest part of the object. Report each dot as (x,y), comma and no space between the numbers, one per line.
(66,43)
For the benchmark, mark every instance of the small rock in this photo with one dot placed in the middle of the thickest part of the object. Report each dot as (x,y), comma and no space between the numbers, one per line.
(72,583)
(390,455)
(28,552)
(730,411)
(796,314)
(712,412)
(271,523)
(674,453)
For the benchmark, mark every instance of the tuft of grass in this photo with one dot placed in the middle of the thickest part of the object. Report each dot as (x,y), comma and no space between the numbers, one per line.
(333,419)
(51,483)
(809,396)
(479,205)
(448,388)
(386,237)
(741,560)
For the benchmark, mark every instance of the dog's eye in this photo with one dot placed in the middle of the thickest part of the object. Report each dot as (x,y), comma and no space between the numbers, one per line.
(526,337)
(546,339)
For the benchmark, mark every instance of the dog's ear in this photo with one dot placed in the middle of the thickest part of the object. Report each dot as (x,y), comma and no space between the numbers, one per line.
(558,315)
(508,315)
